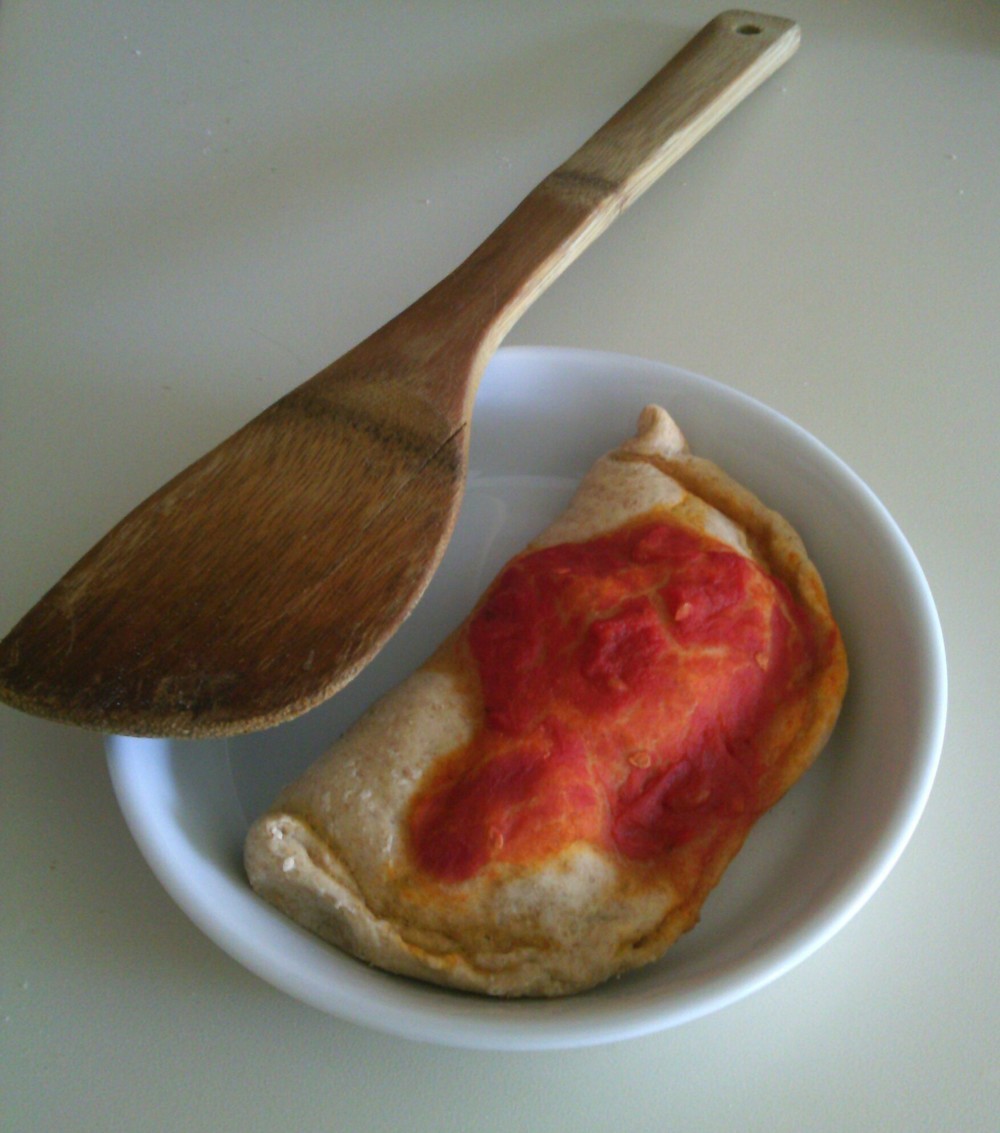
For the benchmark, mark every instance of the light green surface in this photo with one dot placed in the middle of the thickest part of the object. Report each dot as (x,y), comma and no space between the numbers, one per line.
(203,203)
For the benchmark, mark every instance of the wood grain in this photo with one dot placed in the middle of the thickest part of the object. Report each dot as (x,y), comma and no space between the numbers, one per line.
(267,574)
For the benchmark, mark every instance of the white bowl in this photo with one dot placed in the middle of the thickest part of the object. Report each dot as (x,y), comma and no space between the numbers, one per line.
(541,417)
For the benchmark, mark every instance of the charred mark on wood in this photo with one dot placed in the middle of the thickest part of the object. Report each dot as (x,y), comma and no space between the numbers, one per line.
(593,183)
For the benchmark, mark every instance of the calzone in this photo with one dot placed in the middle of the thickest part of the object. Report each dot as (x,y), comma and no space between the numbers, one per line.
(548,801)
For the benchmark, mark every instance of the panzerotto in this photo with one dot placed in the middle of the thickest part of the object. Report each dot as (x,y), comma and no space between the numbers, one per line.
(549,800)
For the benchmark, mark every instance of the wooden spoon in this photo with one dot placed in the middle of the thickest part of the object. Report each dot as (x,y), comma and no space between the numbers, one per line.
(261,579)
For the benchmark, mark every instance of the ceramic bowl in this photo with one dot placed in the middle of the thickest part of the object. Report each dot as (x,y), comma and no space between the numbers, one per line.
(542,416)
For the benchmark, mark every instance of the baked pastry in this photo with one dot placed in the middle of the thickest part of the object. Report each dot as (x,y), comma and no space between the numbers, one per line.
(548,801)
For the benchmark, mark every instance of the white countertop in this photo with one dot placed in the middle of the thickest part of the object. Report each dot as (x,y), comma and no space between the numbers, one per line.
(204,203)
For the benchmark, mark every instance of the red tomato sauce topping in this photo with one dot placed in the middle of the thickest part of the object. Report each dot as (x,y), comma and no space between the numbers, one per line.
(623,681)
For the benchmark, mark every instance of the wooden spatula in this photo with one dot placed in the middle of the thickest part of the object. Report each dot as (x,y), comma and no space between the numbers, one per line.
(266,575)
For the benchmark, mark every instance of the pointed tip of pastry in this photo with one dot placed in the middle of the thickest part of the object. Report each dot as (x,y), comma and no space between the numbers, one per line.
(657,433)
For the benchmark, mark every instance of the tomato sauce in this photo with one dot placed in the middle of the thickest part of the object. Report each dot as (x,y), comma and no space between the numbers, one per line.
(623,681)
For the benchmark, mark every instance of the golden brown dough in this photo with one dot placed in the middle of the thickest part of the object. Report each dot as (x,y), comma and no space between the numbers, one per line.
(535,839)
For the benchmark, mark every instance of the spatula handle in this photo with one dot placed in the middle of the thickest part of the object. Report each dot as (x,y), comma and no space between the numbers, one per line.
(726,61)
(717,69)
